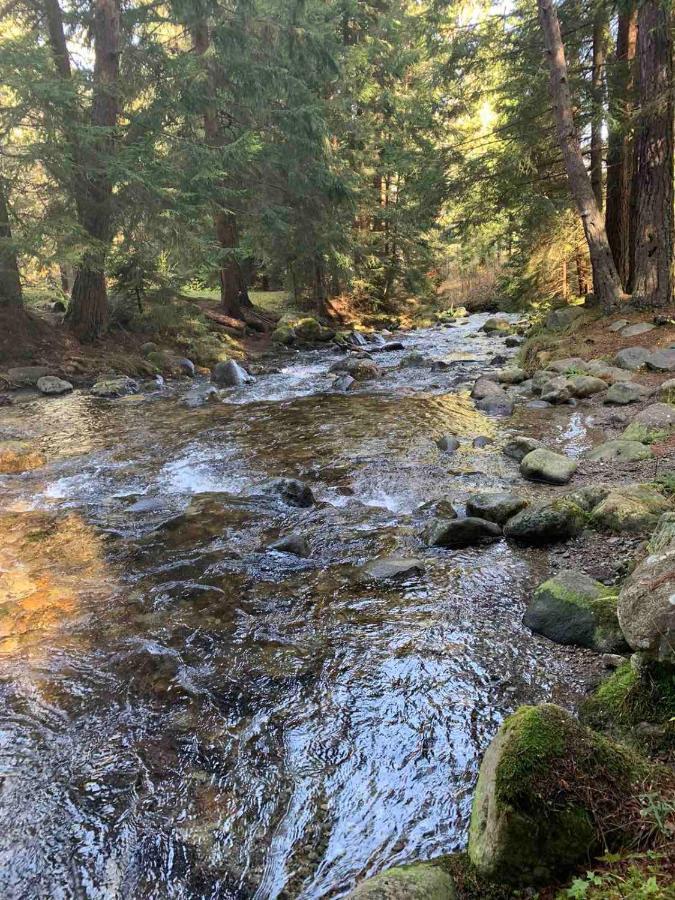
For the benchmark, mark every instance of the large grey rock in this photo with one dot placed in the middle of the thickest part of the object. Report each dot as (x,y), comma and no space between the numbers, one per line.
(520,446)
(569,364)
(622,451)
(421,881)
(51,385)
(114,386)
(646,604)
(387,568)
(572,608)
(557,390)
(295,544)
(618,325)
(492,326)
(457,533)
(624,392)
(546,523)
(632,358)
(27,376)
(652,422)
(545,465)
(563,317)
(610,374)
(635,330)
(586,385)
(511,375)
(495,405)
(486,387)
(634,509)
(230,374)
(291,490)
(495,507)
(358,369)
(661,361)
(539,379)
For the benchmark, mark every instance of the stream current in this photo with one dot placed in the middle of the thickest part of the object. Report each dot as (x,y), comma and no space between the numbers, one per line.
(186,714)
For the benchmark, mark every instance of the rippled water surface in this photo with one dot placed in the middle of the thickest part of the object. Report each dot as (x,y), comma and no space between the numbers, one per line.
(187,714)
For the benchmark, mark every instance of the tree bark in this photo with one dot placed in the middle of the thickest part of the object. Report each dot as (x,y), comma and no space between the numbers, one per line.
(653,286)
(598,79)
(620,148)
(92,185)
(11,296)
(606,282)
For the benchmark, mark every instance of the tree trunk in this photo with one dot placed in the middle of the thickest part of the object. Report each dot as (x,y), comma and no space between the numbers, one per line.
(620,149)
(598,78)
(653,285)
(606,282)
(10,283)
(582,271)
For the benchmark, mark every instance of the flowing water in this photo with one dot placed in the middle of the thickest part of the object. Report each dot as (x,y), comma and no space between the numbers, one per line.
(186,714)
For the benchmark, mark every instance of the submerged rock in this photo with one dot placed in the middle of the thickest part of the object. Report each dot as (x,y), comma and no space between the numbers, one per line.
(545,465)
(18,456)
(114,386)
(230,374)
(496,507)
(633,508)
(414,360)
(291,543)
(343,383)
(547,522)
(358,369)
(457,533)
(51,385)
(421,881)
(291,490)
(572,608)
(533,818)
(623,451)
(391,567)
(520,446)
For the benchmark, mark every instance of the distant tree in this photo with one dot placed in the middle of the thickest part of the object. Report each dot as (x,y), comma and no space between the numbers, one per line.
(10,284)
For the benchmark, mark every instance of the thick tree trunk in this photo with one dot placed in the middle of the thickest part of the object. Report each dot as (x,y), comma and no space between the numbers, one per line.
(606,282)
(653,284)
(620,149)
(10,283)
(597,119)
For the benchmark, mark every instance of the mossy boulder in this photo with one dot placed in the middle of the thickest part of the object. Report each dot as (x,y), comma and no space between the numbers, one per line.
(519,446)
(634,509)
(498,507)
(572,608)
(620,450)
(586,385)
(164,362)
(421,881)
(545,465)
(496,326)
(559,319)
(622,393)
(533,817)
(310,331)
(651,424)
(114,386)
(547,522)
(667,391)
(456,533)
(284,334)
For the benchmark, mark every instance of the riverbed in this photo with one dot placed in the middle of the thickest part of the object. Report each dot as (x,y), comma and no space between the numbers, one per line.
(185,713)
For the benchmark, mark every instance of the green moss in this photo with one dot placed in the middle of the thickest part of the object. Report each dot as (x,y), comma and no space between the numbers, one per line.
(636,431)
(420,881)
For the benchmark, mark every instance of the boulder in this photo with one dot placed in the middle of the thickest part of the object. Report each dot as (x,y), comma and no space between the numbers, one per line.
(632,358)
(457,533)
(545,465)
(533,817)
(495,326)
(343,383)
(623,392)
(284,334)
(652,423)
(572,608)
(539,379)
(114,386)
(546,523)
(514,340)
(567,365)
(448,443)
(482,441)
(230,374)
(496,405)
(18,456)
(495,507)
(646,605)
(667,391)
(359,369)
(484,387)
(149,347)
(608,373)
(185,366)
(623,451)
(557,390)
(310,331)
(291,543)
(586,385)
(661,361)
(388,568)
(421,881)
(635,330)
(51,385)
(511,375)
(634,509)
(27,376)
(561,318)
(291,490)
(520,446)
(391,346)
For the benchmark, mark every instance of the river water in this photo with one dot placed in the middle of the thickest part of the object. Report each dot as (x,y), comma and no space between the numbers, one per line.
(186,714)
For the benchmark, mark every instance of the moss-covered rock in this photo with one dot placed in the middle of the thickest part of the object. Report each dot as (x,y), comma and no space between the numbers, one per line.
(547,522)
(634,508)
(652,423)
(572,608)
(498,506)
(312,331)
(545,465)
(621,450)
(497,326)
(422,881)
(534,815)
(284,334)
